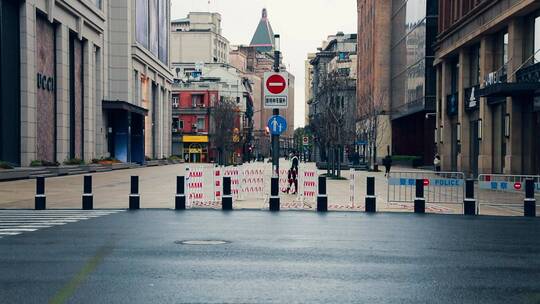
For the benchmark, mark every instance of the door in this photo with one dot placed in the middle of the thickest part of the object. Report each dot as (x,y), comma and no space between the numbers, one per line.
(454,148)
(536,151)
(474,147)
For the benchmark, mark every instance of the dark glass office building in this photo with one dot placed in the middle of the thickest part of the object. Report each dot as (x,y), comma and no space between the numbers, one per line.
(413,77)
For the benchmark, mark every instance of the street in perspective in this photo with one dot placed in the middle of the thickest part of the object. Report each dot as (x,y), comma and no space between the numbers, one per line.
(257,151)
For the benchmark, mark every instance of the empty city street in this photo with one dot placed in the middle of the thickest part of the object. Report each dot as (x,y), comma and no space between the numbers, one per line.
(163,256)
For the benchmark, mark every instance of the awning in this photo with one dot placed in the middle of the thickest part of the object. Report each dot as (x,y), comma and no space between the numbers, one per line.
(507,89)
(122,105)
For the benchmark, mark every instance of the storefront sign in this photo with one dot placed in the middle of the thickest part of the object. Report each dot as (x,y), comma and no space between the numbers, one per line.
(195,138)
(45,82)
(195,150)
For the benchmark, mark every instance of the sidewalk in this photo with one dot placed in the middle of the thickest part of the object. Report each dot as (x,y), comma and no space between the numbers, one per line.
(157,187)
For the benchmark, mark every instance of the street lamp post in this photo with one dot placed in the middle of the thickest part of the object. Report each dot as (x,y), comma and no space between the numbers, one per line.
(275,138)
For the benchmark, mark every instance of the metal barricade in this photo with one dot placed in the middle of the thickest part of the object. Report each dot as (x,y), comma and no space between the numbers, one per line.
(439,187)
(200,187)
(504,192)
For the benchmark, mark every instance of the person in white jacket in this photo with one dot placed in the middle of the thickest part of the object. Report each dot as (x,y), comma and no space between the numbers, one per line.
(437,163)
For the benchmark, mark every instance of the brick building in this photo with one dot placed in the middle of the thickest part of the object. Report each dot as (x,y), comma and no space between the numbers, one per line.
(373,79)
(396,77)
(253,61)
(488,85)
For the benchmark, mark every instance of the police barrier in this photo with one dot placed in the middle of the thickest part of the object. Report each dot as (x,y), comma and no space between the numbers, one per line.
(439,188)
(504,191)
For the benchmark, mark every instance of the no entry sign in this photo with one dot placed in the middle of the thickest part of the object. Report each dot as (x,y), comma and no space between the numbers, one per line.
(276,90)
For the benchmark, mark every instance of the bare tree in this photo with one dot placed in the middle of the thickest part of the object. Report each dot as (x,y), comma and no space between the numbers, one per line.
(224,114)
(335,123)
(372,125)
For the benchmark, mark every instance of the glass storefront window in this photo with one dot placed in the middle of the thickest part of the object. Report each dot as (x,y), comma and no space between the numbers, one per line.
(474,65)
(537,39)
(505,48)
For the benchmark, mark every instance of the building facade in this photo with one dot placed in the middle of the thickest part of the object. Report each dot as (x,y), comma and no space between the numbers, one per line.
(373,80)
(69,93)
(136,106)
(308,86)
(396,80)
(198,38)
(488,109)
(332,109)
(254,60)
(197,93)
(413,78)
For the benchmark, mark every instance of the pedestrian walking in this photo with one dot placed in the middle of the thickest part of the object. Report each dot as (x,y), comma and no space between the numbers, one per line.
(292,174)
(437,163)
(387,163)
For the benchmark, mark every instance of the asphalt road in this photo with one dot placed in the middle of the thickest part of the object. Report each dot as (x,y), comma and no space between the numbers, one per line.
(287,257)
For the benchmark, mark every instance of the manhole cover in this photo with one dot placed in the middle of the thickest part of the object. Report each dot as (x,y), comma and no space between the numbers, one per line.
(202,242)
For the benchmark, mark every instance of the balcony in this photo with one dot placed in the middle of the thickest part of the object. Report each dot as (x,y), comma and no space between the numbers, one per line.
(529,74)
(497,88)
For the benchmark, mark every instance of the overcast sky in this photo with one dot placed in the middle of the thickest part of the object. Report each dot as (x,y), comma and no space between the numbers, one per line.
(302,24)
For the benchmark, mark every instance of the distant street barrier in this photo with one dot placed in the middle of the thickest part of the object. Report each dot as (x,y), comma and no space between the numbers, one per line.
(506,191)
(439,187)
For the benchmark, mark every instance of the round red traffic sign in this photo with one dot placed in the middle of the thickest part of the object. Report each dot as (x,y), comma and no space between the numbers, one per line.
(276,84)
(426,182)
(517,186)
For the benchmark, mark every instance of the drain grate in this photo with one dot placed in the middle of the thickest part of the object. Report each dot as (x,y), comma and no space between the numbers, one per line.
(202,242)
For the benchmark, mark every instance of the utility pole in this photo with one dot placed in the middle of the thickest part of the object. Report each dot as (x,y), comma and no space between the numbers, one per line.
(275,138)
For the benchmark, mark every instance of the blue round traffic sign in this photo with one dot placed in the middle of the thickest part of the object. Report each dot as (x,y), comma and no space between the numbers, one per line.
(277,125)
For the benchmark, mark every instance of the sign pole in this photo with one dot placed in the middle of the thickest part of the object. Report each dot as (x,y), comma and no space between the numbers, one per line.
(275,111)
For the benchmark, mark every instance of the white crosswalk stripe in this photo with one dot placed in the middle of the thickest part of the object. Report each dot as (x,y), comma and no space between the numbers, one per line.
(15,222)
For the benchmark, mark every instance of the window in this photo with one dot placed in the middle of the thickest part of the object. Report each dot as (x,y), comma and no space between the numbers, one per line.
(505,48)
(181,125)
(136,89)
(96,3)
(197,101)
(455,74)
(474,65)
(175,125)
(200,123)
(175,103)
(537,39)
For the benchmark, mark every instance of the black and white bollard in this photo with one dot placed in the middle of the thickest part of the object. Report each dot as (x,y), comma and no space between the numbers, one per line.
(134,197)
(274,194)
(322,197)
(529,205)
(371,199)
(41,199)
(419,200)
(87,197)
(180,198)
(469,202)
(226,199)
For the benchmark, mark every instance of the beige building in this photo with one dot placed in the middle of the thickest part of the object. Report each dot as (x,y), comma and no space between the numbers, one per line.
(198,38)
(88,80)
(488,110)
(308,86)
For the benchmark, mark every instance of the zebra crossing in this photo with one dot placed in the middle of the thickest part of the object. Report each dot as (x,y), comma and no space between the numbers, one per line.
(14,222)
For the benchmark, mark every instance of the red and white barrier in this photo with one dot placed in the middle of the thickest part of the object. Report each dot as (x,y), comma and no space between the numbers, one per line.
(254,181)
(308,184)
(352,187)
(194,185)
